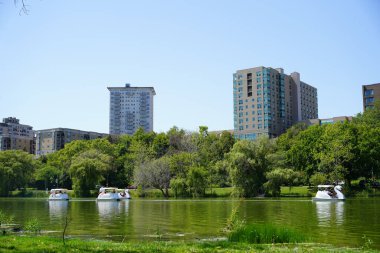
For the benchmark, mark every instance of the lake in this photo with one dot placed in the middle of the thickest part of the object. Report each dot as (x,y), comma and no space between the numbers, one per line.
(339,223)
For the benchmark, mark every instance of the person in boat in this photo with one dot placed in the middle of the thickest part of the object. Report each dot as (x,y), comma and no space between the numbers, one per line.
(331,192)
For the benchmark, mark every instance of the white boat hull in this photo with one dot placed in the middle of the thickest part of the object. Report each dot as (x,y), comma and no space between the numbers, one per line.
(108,197)
(59,197)
(330,199)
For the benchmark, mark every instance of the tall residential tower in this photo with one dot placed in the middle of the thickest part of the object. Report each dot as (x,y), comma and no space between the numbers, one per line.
(267,102)
(130,109)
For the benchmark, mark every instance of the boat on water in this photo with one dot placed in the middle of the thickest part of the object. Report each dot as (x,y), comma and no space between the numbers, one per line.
(108,194)
(329,193)
(124,194)
(58,194)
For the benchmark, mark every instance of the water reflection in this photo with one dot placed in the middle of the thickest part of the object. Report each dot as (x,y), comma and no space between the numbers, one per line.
(58,209)
(329,213)
(108,210)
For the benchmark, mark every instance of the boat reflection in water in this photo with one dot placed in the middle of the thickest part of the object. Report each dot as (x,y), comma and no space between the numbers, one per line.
(58,209)
(109,210)
(329,213)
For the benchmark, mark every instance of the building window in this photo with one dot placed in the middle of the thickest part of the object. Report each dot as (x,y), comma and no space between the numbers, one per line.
(368,92)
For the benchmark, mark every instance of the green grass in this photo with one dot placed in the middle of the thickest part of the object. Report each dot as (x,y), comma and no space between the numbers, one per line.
(296,191)
(265,233)
(48,244)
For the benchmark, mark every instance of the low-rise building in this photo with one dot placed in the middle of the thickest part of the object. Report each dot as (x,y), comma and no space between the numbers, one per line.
(15,136)
(52,140)
(320,122)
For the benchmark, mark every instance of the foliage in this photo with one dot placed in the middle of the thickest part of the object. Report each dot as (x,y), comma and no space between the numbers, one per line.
(197,181)
(278,177)
(16,170)
(6,219)
(196,161)
(33,226)
(318,178)
(248,163)
(154,174)
(87,170)
(48,174)
(265,233)
(51,244)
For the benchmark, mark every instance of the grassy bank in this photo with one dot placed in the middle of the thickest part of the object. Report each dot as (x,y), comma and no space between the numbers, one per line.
(47,244)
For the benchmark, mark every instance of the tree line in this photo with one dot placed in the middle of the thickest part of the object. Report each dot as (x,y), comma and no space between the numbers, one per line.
(188,163)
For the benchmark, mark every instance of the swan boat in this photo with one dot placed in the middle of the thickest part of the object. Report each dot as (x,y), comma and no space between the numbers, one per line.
(58,194)
(124,194)
(108,193)
(329,193)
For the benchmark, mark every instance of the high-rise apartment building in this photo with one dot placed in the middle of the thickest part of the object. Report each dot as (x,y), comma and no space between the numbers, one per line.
(267,102)
(51,140)
(371,93)
(130,109)
(14,135)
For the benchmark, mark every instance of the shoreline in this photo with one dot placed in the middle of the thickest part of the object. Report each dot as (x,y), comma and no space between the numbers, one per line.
(28,243)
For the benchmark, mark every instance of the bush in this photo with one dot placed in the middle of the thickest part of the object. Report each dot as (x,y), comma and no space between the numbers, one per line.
(33,226)
(6,219)
(264,233)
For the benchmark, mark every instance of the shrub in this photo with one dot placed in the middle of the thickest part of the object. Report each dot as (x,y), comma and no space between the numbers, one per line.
(265,233)
(33,226)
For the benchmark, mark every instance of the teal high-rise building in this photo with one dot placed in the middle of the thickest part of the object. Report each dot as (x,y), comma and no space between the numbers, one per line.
(267,102)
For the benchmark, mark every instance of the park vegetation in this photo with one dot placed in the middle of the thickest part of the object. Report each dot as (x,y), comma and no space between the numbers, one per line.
(189,163)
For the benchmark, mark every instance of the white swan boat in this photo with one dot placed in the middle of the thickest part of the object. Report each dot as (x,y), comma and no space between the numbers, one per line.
(58,194)
(124,194)
(329,193)
(108,193)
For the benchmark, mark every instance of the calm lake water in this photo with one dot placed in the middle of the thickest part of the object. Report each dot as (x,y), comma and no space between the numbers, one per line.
(342,223)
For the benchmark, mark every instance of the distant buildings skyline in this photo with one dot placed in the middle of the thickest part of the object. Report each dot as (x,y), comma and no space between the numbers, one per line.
(267,102)
(130,109)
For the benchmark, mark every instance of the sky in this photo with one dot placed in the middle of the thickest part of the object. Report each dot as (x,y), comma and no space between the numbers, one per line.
(57,61)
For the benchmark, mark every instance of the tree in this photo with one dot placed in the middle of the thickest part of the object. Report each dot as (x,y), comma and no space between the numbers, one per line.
(318,178)
(197,181)
(338,152)
(16,170)
(154,174)
(303,150)
(160,145)
(48,174)
(278,177)
(248,163)
(87,170)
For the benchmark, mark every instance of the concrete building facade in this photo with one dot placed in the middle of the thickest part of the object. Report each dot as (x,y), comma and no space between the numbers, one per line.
(332,120)
(130,109)
(267,102)
(51,140)
(371,93)
(15,136)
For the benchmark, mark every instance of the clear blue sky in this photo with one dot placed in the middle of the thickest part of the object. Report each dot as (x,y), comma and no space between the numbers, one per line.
(56,62)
